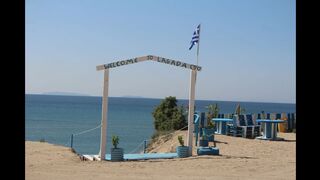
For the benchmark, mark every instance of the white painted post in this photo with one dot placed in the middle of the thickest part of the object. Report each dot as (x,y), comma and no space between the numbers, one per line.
(191,110)
(104,119)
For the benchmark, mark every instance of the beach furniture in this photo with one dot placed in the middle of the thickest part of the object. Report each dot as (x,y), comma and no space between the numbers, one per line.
(283,126)
(229,116)
(196,129)
(291,121)
(204,138)
(221,125)
(219,115)
(278,117)
(210,133)
(265,116)
(207,151)
(269,129)
(238,127)
(289,127)
(258,117)
(253,129)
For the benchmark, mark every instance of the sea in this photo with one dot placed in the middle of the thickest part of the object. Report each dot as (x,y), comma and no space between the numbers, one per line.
(54,118)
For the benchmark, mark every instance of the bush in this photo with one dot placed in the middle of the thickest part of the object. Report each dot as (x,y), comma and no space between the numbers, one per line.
(180,140)
(168,116)
(115,141)
(213,111)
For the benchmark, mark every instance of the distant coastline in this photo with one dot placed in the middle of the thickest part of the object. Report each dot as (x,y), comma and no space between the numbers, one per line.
(61,94)
(128,96)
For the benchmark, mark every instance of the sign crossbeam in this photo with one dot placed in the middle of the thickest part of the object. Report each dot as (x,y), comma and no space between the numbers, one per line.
(149,58)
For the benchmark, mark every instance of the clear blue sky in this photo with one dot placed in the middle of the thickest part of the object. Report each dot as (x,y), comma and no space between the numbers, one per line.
(247,47)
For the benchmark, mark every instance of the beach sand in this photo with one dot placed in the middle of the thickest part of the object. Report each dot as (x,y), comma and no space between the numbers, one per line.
(239,158)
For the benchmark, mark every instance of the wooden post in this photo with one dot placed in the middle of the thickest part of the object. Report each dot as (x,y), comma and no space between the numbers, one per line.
(191,110)
(145,146)
(104,119)
(71,143)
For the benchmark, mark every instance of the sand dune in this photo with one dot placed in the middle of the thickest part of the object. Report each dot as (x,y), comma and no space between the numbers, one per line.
(240,159)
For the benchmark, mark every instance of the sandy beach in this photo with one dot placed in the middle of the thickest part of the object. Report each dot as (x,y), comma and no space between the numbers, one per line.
(239,159)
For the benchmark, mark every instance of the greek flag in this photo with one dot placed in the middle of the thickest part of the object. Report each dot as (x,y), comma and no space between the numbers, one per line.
(195,37)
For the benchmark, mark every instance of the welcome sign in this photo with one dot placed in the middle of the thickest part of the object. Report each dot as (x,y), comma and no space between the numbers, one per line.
(149,58)
(104,117)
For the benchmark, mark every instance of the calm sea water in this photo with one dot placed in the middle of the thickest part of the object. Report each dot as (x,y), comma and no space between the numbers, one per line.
(55,118)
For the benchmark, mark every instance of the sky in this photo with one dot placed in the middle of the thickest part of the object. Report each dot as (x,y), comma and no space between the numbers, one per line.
(247,48)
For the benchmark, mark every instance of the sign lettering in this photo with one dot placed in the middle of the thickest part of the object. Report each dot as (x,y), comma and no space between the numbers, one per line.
(151,58)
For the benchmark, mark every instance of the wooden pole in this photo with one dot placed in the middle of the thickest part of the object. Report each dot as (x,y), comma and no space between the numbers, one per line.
(193,74)
(198,45)
(145,146)
(71,143)
(104,119)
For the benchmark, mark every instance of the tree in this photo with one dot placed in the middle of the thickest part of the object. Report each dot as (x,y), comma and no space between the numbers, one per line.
(213,111)
(168,116)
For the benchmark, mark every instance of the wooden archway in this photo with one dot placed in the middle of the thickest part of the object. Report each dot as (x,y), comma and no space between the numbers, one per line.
(193,71)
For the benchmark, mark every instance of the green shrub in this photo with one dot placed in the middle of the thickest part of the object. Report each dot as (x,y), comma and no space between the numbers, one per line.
(213,111)
(115,141)
(180,140)
(168,116)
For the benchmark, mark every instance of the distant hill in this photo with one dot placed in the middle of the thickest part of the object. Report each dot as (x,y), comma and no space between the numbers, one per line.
(65,93)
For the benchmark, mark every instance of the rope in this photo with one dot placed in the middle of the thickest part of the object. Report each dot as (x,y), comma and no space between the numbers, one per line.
(169,134)
(85,131)
(136,148)
(197,118)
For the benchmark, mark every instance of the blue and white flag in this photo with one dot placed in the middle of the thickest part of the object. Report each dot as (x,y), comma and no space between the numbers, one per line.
(195,37)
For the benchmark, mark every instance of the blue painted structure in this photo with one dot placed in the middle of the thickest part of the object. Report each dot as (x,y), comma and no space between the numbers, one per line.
(116,154)
(221,124)
(270,129)
(207,151)
(200,127)
(182,151)
(255,128)
(238,126)
(196,126)
(128,157)
(210,133)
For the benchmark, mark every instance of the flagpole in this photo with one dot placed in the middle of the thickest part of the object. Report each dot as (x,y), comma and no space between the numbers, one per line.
(198,44)
(195,80)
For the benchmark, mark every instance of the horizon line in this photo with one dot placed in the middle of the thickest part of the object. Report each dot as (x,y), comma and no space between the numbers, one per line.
(142,97)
